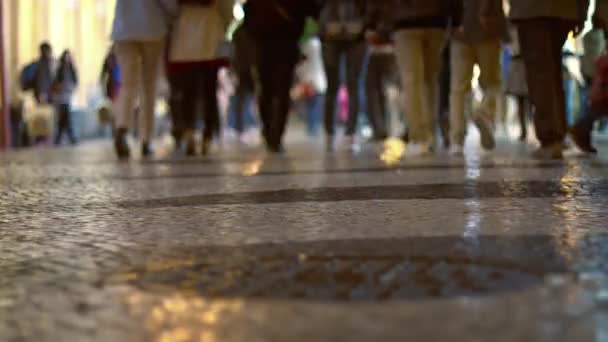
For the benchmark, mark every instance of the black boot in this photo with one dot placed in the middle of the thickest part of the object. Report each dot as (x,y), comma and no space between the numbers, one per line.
(146,151)
(120,143)
(581,135)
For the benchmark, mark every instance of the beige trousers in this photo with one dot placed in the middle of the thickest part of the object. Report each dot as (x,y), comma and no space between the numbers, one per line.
(418,53)
(140,65)
(464,57)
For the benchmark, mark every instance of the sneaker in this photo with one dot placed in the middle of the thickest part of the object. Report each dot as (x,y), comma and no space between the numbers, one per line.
(120,144)
(582,139)
(550,152)
(485,131)
(457,150)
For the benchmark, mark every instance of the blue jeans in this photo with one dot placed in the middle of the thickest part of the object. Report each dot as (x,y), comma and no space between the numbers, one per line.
(314,113)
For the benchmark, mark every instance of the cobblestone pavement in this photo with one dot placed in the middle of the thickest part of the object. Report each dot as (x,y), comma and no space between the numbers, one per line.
(303,247)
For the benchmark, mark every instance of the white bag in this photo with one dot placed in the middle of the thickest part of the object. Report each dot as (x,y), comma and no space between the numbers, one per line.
(198,35)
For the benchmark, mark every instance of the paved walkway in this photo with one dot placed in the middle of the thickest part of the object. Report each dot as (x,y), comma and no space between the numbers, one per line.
(304,247)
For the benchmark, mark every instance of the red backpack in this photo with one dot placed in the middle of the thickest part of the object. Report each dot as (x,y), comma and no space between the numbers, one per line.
(598,99)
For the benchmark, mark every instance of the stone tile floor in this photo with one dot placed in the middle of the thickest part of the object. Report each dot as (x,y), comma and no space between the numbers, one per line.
(371,246)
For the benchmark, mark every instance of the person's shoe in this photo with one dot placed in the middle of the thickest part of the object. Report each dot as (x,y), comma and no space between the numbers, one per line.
(146,151)
(456,150)
(488,141)
(582,139)
(523,137)
(190,144)
(550,152)
(206,145)
(120,144)
(406,136)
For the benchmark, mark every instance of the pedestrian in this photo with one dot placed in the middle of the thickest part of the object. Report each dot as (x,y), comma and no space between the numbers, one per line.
(276,26)
(517,86)
(196,53)
(543,27)
(243,64)
(43,70)
(139,32)
(443,112)
(420,29)
(342,31)
(381,69)
(478,41)
(595,45)
(64,86)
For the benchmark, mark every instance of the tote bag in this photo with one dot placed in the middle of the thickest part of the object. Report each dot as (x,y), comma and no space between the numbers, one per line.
(198,35)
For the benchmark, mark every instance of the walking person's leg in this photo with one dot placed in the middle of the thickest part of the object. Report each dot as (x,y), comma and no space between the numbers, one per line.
(264,71)
(211,112)
(410,59)
(541,44)
(61,123)
(434,40)
(462,64)
(374,88)
(151,66)
(331,61)
(488,58)
(355,57)
(522,114)
(69,126)
(282,87)
(128,55)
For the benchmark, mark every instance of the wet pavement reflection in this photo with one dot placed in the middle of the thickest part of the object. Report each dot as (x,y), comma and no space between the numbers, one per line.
(371,246)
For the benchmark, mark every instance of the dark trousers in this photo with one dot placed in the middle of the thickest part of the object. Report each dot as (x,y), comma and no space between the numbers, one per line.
(381,69)
(275,72)
(191,90)
(354,55)
(541,43)
(64,123)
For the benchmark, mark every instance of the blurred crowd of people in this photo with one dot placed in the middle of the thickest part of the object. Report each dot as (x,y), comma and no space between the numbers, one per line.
(335,59)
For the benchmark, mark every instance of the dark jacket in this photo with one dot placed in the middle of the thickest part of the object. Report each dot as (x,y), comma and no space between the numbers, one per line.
(44,80)
(283,20)
(405,14)
(343,20)
(575,10)
(474,31)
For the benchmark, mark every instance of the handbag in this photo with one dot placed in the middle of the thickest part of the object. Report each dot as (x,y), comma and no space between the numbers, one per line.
(198,35)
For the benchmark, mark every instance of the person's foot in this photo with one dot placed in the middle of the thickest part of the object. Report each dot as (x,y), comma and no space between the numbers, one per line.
(146,150)
(456,150)
(406,136)
(523,137)
(120,143)
(205,147)
(486,132)
(582,139)
(190,144)
(549,152)
(276,148)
